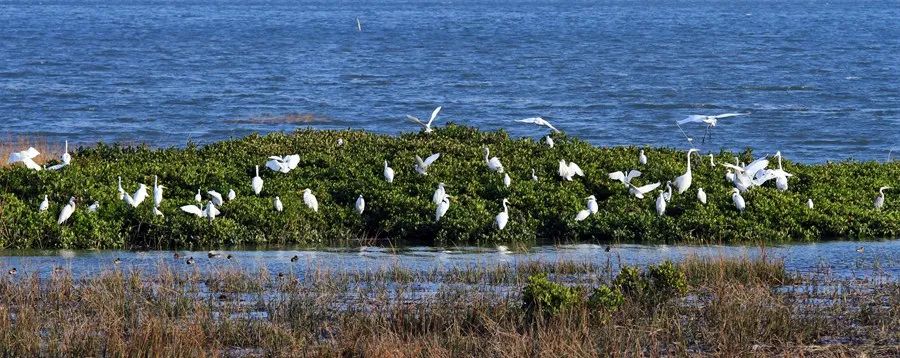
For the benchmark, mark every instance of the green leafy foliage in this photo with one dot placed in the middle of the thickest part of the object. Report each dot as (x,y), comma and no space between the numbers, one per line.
(606,299)
(540,211)
(547,297)
(659,283)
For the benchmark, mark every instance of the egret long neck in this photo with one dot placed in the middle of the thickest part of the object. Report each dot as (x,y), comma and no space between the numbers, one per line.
(689,162)
(504,207)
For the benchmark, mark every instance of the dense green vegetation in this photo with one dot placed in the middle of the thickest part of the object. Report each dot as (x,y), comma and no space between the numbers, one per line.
(541,211)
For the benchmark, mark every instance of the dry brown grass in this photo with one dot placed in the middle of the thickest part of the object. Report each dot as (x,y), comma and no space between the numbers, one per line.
(322,313)
(11,144)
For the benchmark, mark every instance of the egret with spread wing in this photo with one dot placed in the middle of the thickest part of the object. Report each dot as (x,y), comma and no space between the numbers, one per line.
(539,121)
(426,126)
(710,121)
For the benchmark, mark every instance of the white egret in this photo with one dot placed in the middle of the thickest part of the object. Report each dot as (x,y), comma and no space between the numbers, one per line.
(283,164)
(568,171)
(360,205)
(388,173)
(157,192)
(592,204)
(231,195)
(809,203)
(781,176)
(507,181)
(623,177)
(439,194)
(661,204)
(422,165)
(121,190)
(879,200)
(710,121)
(257,183)
(492,163)
(683,182)
(26,157)
(642,158)
(340,142)
(712,161)
(534,176)
(94,207)
(640,191)
(198,198)
(279,206)
(216,197)
(44,204)
(358,25)
(701,195)
(442,208)
(211,211)
(538,121)
(192,209)
(503,217)
(549,141)
(583,214)
(668,193)
(738,200)
(139,196)
(426,127)
(310,200)
(729,176)
(157,212)
(65,159)
(66,211)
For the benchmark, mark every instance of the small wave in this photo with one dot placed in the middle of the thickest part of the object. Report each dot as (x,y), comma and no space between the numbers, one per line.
(785,88)
(291,118)
(674,106)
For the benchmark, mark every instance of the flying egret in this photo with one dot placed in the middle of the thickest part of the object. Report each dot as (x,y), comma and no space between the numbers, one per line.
(360,205)
(66,211)
(710,121)
(538,121)
(683,182)
(310,200)
(279,207)
(231,195)
(198,198)
(442,208)
(422,165)
(44,204)
(879,200)
(121,190)
(492,163)
(568,171)
(592,204)
(439,194)
(534,176)
(640,191)
(642,158)
(738,200)
(549,141)
(157,192)
(157,212)
(809,203)
(358,25)
(503,217)
(426,127)
(257,183)
(507,181)
(388,173)
(94,207)
(661,204)
(701,195)
(216,197)
(26,157)
(623,177)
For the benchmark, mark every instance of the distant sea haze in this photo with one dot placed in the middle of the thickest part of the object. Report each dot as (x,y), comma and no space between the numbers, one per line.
(821,79)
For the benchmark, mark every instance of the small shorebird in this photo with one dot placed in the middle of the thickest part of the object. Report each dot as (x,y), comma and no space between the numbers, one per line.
(190,261)
(295,258)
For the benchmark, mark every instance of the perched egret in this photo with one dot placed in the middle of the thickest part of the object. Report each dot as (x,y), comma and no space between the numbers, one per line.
(492,163)
(642,158)
(44,204)
(94,207)
(507,181)
(640,191)
(534,176)
(442,208)
(568,171)
(388,173)
(216,197)
(157,192)
(157,212)
(231,195)
(781,176)
(279,207)
(26,157)
(809,203)
(139,196)
(211,211)
(668,193)
(121,190)
(360,205)
(738,200)
(426,127)
(257,182)
(422,165)
(683,182)
(198,198)
(583,214)
(879,200)
(661,204)
(65,160)
(283,164)
(538,121)
(310,200)
(503,217)
(66,211)
(729,176)
(701,195)
(592,204)
(340,142)
(439,194)
(549,141)
(712,161)
(623,177)
(710,121)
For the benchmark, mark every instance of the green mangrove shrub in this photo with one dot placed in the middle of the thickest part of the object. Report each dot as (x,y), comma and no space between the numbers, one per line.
(540,295)
(659,283)
(606,298)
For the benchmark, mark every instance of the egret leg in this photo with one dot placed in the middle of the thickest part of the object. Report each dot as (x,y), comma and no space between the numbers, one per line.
(705,134)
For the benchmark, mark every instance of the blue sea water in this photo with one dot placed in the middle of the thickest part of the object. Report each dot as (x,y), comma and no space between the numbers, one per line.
(820,77)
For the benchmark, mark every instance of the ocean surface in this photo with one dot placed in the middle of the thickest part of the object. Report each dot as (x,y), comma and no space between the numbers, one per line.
(821,78)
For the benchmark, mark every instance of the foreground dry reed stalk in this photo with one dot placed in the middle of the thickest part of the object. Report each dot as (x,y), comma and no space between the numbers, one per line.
(733,308)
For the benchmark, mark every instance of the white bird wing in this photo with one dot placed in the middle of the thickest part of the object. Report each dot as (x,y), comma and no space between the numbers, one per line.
(532,120)
(726,115)
(427,162)
(31,164)
(292,161)
(57,167)
(756,166)
(434,115)
(646,188)
(192,209)
(732,166)
(212,211)
(575,169)
(617,176)
(274,165)
(65,213)
(129,200)
(583,214)
(216,196)
(692,118)
(631,175)
(416,120)
(563,169)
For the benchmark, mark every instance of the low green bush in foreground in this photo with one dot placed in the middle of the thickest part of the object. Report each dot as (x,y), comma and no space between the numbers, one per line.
(541,211)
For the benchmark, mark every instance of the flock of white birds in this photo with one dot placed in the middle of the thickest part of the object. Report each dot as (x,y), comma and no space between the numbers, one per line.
(742,176)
